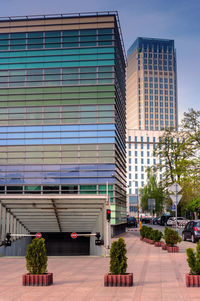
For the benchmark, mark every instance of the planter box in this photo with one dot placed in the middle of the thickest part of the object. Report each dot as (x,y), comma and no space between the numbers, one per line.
(151,242)
(118,280)
(141,238)
(174,249)
(163,245)
(37,280)
(157,244)
(192,280)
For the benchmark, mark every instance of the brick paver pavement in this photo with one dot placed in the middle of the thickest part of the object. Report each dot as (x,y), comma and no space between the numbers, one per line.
(158,275)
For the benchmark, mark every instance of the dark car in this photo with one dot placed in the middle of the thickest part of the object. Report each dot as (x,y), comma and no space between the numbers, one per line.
(146,220)
(163,220)
(131,222)
(155,221)
(192,231)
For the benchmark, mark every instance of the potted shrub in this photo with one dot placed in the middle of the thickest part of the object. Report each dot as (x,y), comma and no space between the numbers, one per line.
(149,235)
(157,235)
(118,266)
(36,264)
(171,238)
(193,259)
(143,232)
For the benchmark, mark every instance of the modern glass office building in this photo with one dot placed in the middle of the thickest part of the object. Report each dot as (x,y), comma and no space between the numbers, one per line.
(62,107)
(152,85)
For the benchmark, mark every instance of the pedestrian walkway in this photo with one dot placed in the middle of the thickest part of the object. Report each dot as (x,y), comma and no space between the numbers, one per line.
(158,276)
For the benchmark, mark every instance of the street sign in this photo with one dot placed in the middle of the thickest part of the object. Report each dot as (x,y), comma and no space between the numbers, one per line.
(151,204)
(174,197)
(73,235)
(173,207)
(175,187)
(38,235)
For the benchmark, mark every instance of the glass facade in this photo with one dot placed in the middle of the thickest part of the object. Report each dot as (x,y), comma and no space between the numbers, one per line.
(152,73)
(62,109)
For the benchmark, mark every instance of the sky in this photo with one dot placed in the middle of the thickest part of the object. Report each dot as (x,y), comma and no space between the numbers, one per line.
(170,19)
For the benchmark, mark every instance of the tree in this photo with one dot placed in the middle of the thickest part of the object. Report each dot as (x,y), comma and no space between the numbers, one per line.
(152,190)
(36,257)
(179,161)
(118,259)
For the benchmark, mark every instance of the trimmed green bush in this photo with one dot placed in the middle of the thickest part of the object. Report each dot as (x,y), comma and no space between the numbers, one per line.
(118,259)
(171,237)
(157,235)
(193,259)
(36,257)
(143,231)
(149,233)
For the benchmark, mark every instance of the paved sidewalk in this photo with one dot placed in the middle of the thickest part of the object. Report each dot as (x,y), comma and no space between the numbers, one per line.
(158,275)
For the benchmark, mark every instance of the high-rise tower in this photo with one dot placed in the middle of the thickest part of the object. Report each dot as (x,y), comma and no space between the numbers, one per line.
(151,85)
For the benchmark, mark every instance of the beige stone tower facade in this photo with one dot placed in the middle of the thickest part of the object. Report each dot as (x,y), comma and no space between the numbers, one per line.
(151,85)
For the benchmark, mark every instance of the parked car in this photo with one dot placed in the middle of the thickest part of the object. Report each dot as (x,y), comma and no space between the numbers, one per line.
(131,221)
(191,231)
(180,221)
(155,221)
(146,220)
(163,220)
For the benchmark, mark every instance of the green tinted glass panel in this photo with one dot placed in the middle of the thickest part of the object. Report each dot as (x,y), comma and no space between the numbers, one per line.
(3,47)
(35,41)
(52,33)
(88,44)
(4,36)
(88,38)
(35,34)
(70,39)
(4,42)
(106,43)
(52,40)
(17,47)
(105,30)
(70,33)
(35,46)
(31,188)
(66,45)
(17,42)
(88,32)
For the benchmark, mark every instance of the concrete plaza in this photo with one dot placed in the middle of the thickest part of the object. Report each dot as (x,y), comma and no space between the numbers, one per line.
(158,275)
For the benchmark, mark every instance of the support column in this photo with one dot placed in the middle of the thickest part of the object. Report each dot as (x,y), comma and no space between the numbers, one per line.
(3,223)
(11,224)
(7,221)
(15,228)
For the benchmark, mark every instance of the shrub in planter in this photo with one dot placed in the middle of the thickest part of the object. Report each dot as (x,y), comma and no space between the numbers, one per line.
(36,264)
(118,266)
(157,235)
(143,232)
(149,234)
(171,238)
(193,259)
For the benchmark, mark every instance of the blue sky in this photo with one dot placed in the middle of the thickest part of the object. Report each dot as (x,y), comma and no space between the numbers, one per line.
(172,19)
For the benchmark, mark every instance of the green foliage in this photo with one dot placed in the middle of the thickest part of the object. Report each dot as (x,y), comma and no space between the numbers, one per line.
(193,259)
(171,237)
(194,205)
(152,190)
(118,259)
(143,231)
(157,235)
(36,257)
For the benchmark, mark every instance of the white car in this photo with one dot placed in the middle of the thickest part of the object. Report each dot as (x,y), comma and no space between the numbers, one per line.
(180,221)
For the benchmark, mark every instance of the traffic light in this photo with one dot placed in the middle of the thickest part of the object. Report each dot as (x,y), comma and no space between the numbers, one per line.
(108,212)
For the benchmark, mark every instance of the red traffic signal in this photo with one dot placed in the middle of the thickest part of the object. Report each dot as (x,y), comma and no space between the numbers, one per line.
(108,213)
